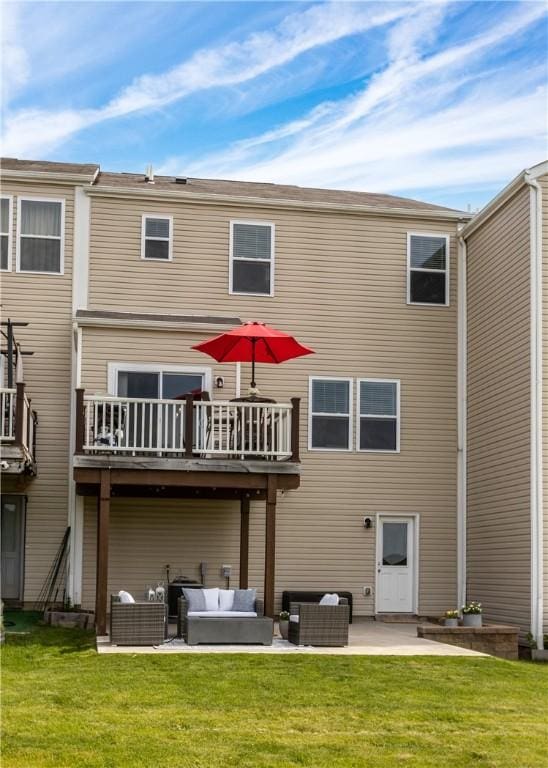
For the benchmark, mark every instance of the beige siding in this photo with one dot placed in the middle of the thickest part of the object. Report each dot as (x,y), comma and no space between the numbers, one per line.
(341,288)
(544,184)
(45,302)
(499,533)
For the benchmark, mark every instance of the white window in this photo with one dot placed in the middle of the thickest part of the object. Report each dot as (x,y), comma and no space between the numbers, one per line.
(153,381)
(330,408)
(427,269)
(378,415)
(251,258)
(40,240)
(5,232)
(156,237)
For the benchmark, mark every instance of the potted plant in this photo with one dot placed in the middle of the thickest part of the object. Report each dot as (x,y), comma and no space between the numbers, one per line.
(451,619)
(283,622)
(471,614)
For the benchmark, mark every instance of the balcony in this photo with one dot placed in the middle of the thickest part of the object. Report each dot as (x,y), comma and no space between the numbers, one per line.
(17,432)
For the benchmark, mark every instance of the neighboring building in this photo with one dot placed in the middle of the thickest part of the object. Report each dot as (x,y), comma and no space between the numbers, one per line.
(506,251)
(118,276)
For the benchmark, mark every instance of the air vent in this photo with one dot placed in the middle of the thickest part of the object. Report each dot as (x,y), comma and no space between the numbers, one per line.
(181,180)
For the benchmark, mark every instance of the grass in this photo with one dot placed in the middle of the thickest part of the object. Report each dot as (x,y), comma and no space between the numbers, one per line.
(64,705)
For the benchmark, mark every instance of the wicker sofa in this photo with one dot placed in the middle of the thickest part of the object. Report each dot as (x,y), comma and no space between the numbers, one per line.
(227,629)
(313,624)
(139,623)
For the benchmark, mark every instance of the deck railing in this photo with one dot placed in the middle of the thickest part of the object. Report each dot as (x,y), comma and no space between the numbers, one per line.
(187,428)
(18,422)
(7,425)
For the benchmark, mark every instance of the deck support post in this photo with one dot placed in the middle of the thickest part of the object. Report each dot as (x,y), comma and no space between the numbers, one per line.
(103,519)
(244,542)
(80,422)
(295,429)
(270,546)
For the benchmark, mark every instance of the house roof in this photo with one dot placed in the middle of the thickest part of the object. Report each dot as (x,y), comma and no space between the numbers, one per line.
(45,166)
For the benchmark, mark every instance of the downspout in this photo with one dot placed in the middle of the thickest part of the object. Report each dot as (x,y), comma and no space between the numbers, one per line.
(462,374)
(537,565)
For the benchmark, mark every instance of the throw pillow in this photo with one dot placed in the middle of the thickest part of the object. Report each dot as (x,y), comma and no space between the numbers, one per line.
(195,599)
(330,599)
(211,599)
(244,599)
(125,597)
(226,599)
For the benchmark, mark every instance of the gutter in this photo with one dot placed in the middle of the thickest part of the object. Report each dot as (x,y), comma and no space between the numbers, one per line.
(537,564)
(462,379)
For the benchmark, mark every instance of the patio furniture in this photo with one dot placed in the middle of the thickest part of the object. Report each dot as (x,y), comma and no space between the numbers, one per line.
(234,629)
(312,596)
(175,591)
(313,624)
(139,623)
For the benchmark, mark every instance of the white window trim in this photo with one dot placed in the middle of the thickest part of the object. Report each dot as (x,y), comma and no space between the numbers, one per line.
(233,258)
(9,233)
(60,237)
(144,238)
(350,381)
(422,269)
(115,368)
(360,415)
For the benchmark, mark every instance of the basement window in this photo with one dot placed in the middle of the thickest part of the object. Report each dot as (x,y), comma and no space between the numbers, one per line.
(427,269)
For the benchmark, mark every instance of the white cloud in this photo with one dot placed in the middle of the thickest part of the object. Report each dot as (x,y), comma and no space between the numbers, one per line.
(15,61)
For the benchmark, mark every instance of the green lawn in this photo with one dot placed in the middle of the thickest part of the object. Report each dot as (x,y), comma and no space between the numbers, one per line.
(63,705)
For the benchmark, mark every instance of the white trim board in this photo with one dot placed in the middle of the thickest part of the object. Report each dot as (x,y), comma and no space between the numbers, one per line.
(9,233)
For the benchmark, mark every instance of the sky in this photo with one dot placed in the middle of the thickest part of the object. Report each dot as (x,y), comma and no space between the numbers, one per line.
(440,101)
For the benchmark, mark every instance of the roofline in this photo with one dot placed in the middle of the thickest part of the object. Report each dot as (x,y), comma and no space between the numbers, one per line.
(244,200)
(145,321)
(54,177)
(503,196)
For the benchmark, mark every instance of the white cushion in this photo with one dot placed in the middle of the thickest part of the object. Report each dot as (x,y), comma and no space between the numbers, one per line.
(125,597)
(294,617)
(211,599)
(226,599)
(222,614)
(330,599)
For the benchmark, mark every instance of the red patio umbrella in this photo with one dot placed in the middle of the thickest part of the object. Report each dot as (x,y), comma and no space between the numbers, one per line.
(253,342)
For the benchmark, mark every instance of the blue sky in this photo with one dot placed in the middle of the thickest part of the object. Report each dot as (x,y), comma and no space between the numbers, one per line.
(442,101)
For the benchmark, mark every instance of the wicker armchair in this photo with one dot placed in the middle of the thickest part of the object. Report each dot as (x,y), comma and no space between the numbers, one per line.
(140,623)
(319,624)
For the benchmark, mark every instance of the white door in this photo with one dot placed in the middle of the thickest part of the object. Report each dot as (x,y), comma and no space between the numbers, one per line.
(12,546)
(395,565)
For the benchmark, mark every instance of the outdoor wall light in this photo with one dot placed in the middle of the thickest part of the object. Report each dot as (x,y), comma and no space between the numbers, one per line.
(219,382)
(367,522)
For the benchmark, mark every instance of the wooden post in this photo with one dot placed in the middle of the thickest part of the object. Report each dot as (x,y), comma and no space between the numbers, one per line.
(19,413)
(101,586)
(295,402)
(80,422)
(244,542)
(189,425)
(270,546)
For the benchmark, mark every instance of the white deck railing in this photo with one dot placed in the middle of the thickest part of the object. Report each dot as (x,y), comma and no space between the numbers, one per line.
(7,404)
(133,426)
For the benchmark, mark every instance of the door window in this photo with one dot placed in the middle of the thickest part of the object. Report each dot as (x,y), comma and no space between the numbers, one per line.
(394,544)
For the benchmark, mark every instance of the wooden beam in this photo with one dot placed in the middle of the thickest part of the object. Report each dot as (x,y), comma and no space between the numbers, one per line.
(295,430)
(80,427)
(101,584)
(244,542)
(168,492)
(270,547)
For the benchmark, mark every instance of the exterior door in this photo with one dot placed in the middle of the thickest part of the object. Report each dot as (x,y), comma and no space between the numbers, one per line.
(12,546)
(395,565)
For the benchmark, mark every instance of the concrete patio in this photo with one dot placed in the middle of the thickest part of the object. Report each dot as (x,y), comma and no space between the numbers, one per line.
(367,638)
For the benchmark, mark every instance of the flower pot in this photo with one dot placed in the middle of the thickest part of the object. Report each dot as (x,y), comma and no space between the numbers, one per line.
(451,622)
(284,628)
(471,620)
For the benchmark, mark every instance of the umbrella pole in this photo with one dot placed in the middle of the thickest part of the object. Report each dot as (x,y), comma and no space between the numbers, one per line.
(253,342)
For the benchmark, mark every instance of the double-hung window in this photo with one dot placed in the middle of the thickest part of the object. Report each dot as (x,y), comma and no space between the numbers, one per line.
(251,258)
(40,235)
(378,415)
(330,402)
(427,269)
(5,233)
(156,237)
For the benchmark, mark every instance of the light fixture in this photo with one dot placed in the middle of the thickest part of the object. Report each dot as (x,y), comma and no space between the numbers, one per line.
(367,522)
(219,382)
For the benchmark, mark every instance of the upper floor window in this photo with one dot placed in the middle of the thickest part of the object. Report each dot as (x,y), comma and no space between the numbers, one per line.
(5,233)
(40,235)
(251,258)
(330,408)
(427,269)
(156,237)
(379,415)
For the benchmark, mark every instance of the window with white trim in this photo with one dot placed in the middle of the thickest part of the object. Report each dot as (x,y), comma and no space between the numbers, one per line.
(156,237)
(40,229)
(378,415)
(5,233)
(252,258)
(427,269)
(330,409)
